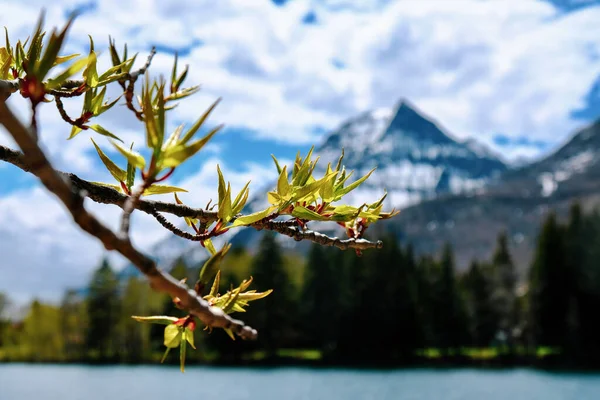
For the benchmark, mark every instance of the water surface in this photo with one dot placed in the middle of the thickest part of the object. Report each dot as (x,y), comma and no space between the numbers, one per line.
(52,382)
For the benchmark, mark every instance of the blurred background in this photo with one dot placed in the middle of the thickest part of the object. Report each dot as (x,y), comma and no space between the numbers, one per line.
(481,118)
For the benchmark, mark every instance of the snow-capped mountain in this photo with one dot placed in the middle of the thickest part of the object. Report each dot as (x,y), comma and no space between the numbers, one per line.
(415,158)
(517,203)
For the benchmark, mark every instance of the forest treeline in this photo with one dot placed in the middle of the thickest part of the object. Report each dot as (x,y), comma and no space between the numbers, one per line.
(388,307)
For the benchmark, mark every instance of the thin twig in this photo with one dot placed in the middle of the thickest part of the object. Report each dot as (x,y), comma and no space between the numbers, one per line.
(61,110)
(186,235)
(135,75)
(39,165)
(130,205)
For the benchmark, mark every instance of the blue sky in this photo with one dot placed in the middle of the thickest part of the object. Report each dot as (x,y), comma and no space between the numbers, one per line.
(520,76)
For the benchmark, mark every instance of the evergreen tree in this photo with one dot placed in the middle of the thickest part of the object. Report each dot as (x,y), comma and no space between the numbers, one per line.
(549,298)
(42,335)
(103,311)
(73,323)
(321,299)
(575,246)
(504,294)
(482,309)
(585,248)
(450,306)
(271,316)
(3,319)
(134,338)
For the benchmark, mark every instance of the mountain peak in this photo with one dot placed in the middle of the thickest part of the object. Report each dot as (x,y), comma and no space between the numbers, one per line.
(408,120)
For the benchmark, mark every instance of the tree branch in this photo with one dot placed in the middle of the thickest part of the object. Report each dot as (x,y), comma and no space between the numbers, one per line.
(107,195)
(56,183)
(297,234)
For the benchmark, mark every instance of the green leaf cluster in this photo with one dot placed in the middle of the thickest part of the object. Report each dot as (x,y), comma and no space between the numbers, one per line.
(178,331)
(126,178)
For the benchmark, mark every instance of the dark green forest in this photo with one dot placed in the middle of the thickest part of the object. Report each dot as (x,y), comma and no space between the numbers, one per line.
(386,308)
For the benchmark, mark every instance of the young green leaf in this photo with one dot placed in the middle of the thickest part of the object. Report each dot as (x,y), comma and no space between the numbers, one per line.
(276,164)
(189,336)
(152,132)
(97,101)
(182,349)
(132,156)
(183,93)
(229,333)
(156,319)
(104,132)
(305,213)
(189,134)
(90,73)
(214,290)
(74,68)
(173,335)
(343,191)
(117,173)
(283,186)
(210,246)
(74,132)
(179,153)
(211,266)
(162,189)
(252,295)
(254,217)
(130,172)
(224,212)
(240,200)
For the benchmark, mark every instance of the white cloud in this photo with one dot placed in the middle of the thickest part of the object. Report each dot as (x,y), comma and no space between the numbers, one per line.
(479,67)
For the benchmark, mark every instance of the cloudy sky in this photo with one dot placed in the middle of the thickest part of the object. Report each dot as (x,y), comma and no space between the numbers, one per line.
(518,75)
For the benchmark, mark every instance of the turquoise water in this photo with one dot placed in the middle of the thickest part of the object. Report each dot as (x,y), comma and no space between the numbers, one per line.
(48,382)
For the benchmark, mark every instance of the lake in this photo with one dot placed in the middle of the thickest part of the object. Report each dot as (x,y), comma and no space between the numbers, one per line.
(51,382)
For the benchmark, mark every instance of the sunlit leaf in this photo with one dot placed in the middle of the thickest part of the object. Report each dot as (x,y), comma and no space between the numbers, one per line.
(229,333)
(74,68)
(253,295)
(343,191)
(173,335)
(130,172)
(210,246)
(179,153)
(119,174)
(214,290)
(305,213)
(156,319)
(162,189)
(90,73)
(189,134)
(182,350)
(283,186)
(189,336)
(132,156)
(254,217)
(211,266)
(104,132)
(276,164)
(224,212)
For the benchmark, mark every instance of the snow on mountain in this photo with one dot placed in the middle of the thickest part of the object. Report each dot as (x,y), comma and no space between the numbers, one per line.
(415,158)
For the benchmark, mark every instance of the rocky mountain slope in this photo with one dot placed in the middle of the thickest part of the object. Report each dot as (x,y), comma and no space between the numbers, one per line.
(517,202)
